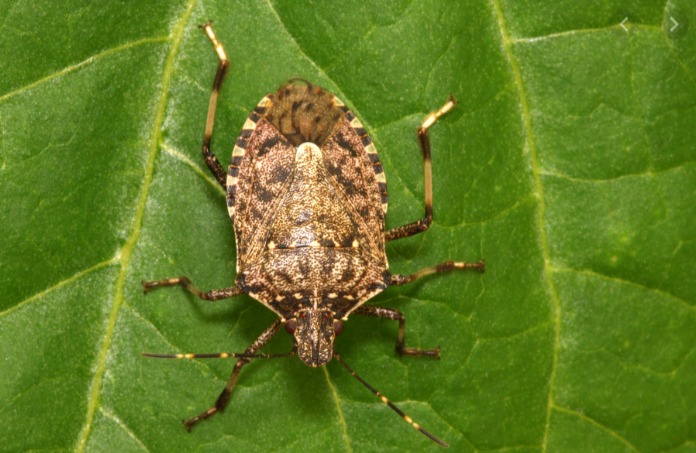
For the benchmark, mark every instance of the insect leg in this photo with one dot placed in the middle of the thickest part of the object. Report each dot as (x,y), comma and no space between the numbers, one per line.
(398,279)
(216,355)
(386,401)
(223,66)
(396,315)
(423,224)
(251,352)
(185,282)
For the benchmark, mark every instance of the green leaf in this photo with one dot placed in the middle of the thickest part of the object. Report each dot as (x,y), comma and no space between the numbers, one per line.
(569,165)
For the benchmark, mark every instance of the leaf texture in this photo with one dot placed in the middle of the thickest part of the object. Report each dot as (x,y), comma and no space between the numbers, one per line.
(569,165)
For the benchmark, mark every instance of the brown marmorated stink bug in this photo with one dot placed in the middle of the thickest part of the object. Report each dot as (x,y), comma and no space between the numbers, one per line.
(307,196)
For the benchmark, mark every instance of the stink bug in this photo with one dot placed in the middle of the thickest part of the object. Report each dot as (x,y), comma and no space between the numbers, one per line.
(307,196)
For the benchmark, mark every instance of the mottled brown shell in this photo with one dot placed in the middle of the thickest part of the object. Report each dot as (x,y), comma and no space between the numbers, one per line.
(304,113)
(307,196)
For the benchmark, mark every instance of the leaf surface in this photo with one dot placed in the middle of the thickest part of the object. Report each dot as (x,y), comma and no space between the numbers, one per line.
(568,165)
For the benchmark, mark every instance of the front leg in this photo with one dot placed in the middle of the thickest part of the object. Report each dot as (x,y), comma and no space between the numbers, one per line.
(252,352)
(224,397)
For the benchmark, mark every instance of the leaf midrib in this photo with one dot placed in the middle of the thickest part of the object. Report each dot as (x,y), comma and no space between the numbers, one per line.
(155,136)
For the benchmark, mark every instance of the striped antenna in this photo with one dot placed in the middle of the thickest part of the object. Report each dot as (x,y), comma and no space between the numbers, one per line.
(384,399)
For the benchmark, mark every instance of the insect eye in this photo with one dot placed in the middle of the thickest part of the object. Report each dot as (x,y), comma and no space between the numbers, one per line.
(290,326)
(303,315)
(327,316)
(337,327)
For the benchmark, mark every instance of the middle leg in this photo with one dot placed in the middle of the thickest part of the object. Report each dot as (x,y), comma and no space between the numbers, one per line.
(389,313)
(396,315)
(447,266)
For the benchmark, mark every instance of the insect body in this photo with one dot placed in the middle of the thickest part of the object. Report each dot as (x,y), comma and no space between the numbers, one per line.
(307,195)
(309,241)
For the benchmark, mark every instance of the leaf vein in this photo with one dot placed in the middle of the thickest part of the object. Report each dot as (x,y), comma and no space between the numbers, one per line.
(646,173)
(80,65)
(123,426)
(73,278)
(339,410)
(531,154)
(171,346)
(570,33)
(178,155)
(623,281)
(597,424)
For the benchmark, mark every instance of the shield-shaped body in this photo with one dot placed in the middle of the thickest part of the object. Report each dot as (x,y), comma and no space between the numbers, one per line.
(307,195)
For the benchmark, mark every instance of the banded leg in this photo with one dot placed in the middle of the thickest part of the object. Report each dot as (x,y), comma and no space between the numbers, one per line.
(223,66)
(396,315)
(423,224)
(398,279)
(386,401)
(185,282)
(226,393)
